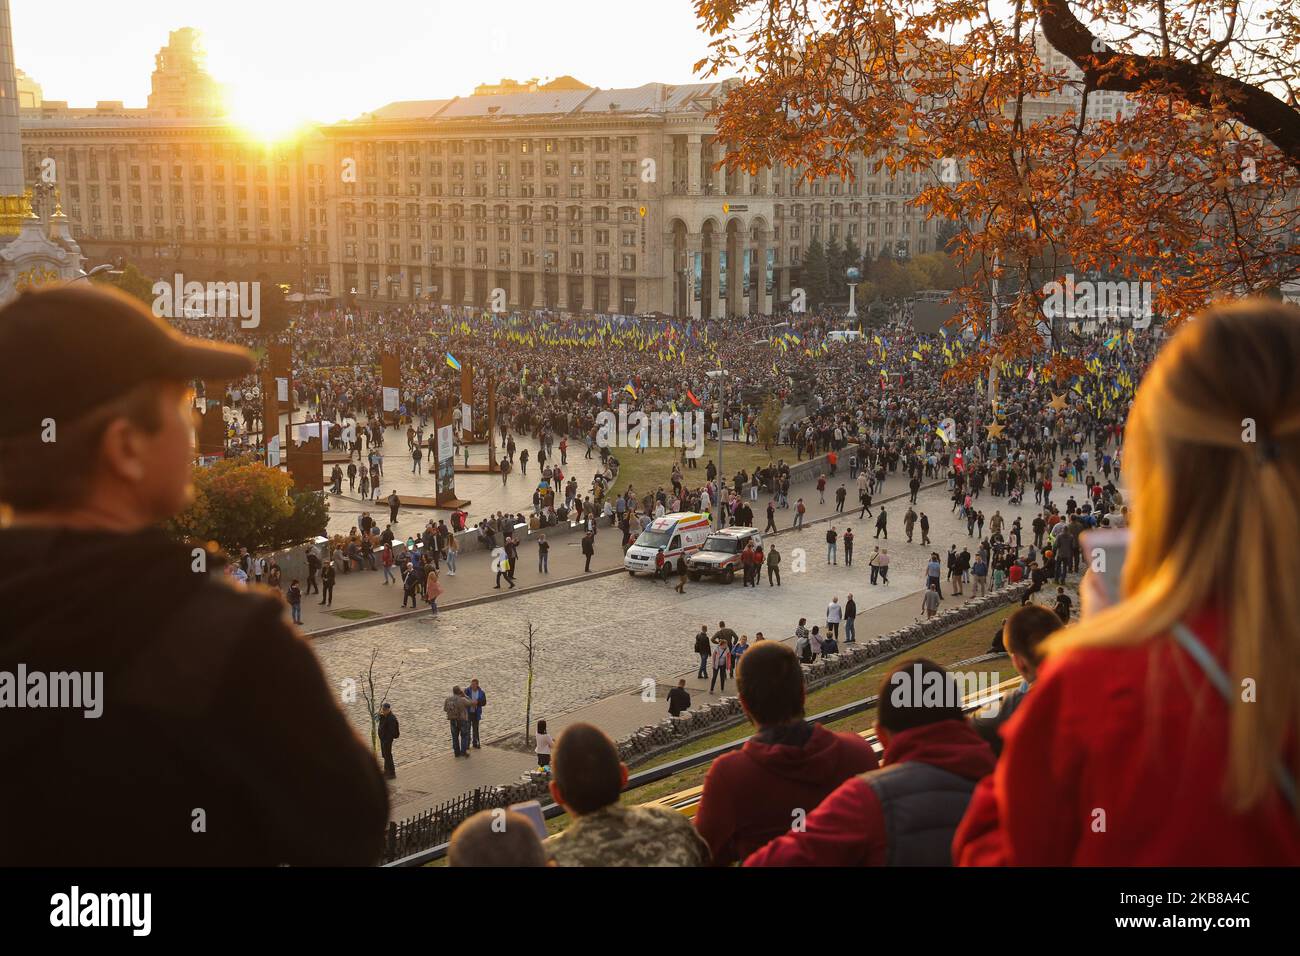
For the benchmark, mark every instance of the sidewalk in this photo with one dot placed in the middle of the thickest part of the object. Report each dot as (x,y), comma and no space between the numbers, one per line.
(432,780)
(361,598)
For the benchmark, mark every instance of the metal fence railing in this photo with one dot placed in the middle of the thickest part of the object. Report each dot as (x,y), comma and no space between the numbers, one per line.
(422,839)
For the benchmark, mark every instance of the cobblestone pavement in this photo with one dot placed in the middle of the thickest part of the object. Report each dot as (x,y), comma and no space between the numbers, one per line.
(486,493)
(609,634)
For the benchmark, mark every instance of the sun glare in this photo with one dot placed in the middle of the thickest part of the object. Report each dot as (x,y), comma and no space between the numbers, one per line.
(265,119)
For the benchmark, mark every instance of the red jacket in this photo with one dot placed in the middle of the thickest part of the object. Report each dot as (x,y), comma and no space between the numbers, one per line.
(1131,738)
(750,795)
(848,828)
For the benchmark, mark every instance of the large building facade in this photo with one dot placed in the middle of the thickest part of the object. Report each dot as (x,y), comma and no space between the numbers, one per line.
(519,196)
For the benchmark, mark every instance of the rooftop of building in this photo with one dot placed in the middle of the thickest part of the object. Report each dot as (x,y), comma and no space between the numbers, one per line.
(647,98)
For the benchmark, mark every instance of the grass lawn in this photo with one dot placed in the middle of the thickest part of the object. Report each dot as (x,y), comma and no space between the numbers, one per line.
(355,614)
(654,467)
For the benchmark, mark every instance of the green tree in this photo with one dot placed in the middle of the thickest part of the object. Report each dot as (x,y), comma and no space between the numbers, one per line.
(238,503)
(310,517)
(131,281)
(837,286)
(815,273)
(769,422)
(889,277)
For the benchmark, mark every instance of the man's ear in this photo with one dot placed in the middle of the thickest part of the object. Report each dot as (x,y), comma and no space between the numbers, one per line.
(555,793)
(622,777)
(119,450)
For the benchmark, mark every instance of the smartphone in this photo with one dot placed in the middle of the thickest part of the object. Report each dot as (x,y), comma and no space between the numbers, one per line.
(532,809)
(1104,553)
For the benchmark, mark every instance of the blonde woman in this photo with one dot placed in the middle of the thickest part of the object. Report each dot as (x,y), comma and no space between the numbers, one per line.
(1164,728)
(432,590)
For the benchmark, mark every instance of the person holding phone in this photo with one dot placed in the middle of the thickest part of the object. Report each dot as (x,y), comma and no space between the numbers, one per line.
(1162,727)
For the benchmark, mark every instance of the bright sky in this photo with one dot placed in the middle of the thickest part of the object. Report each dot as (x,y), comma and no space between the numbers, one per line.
(332,59)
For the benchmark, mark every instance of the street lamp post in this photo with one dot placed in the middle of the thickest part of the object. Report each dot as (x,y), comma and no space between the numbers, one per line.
(97,270)
(720,375)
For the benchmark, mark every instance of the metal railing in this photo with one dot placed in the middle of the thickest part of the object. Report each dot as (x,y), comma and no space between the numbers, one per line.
(439,822)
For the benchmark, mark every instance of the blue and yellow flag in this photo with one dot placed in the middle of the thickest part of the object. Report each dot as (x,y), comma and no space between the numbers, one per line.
(451,360)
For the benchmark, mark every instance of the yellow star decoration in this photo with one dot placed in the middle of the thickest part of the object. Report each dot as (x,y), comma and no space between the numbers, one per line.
(995,430)
(1058,402)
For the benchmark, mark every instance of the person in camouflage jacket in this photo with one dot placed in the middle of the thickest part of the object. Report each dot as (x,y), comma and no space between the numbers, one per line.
(588,779)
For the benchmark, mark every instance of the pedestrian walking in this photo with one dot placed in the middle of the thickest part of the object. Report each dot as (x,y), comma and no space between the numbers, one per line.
(834,614)
(294,597)
(702,649)
(543,746)
(388,730)
(477,701)
(327,574)
(432,590)
(456,707)
(721,663)
(773,566)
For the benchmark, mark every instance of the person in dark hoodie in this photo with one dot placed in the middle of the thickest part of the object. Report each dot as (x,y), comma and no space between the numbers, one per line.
(753,794)
(906,812)
(215,739)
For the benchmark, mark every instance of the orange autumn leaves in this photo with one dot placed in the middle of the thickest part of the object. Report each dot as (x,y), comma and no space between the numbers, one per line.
(1051,178)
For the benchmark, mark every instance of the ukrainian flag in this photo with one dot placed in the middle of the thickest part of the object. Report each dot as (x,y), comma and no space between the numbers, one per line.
(451,360)
(630,390)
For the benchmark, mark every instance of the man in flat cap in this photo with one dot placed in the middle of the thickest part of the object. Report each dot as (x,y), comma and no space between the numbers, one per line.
(216,739)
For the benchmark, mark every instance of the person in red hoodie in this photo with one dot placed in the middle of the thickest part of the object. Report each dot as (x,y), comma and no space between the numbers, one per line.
(905,813)
(785,770)
(1162,730)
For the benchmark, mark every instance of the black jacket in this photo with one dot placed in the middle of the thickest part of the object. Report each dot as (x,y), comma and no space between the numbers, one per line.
(702,643)
(210,701)
(388,726)
(678,701)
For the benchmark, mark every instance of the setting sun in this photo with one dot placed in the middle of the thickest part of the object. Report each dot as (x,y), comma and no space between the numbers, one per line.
(266,120)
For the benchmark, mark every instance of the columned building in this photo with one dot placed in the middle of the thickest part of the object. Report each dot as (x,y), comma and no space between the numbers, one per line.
(598,200)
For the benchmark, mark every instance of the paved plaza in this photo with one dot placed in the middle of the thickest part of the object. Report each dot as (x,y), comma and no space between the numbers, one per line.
(599,640)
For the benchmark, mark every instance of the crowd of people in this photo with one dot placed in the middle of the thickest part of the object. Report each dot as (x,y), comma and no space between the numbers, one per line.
(1158,729)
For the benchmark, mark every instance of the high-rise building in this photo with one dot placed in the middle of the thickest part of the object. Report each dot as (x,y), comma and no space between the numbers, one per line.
(181,85)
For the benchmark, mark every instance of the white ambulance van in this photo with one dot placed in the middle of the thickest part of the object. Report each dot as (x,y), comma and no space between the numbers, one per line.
(679,534)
